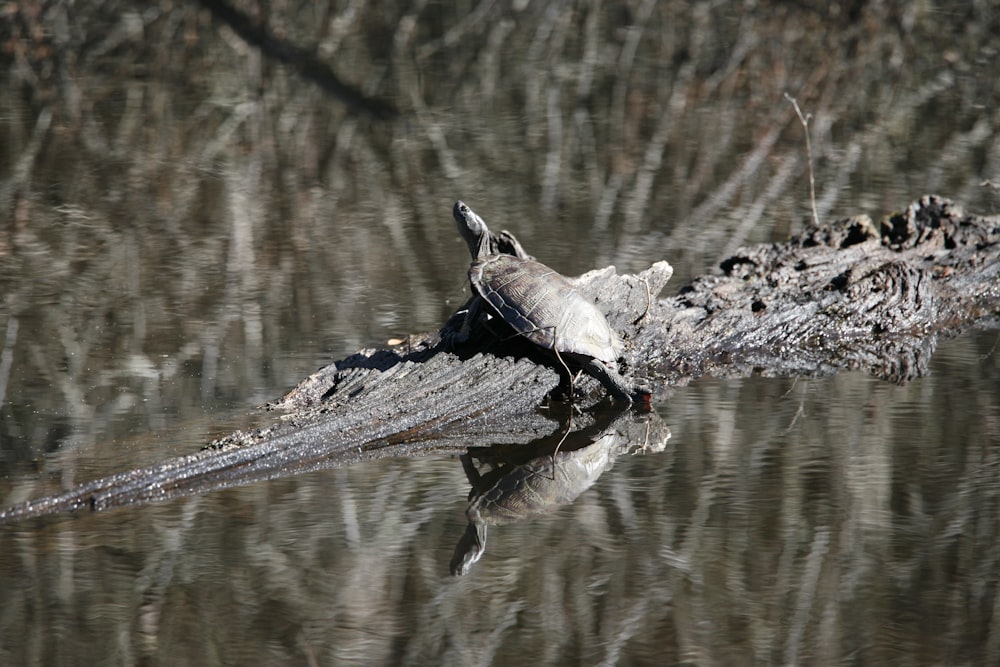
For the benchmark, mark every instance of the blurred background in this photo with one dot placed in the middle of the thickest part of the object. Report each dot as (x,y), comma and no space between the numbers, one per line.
(188,227)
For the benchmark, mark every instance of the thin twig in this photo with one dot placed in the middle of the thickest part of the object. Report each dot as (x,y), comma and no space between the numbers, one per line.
(552,456)
(649,301)
(569,373)
(812,181)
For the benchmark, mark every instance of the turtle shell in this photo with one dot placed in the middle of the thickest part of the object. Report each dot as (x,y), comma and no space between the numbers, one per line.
(541,304)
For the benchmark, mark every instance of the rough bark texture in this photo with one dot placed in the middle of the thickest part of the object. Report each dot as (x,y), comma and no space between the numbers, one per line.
(849,295)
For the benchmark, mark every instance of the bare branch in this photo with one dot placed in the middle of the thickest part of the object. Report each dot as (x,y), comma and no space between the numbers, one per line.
(812,180)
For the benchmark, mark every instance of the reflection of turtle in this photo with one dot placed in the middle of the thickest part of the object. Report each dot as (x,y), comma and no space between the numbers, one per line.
(514,483)
(541,305)
(509,494)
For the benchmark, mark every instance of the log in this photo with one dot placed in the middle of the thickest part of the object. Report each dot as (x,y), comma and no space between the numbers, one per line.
(849,295)
(846,296)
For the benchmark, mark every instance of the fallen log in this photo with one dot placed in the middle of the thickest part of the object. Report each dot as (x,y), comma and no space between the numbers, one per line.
(845,296)
(850,295)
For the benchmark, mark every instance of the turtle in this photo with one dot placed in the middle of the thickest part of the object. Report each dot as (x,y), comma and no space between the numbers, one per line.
(541,305)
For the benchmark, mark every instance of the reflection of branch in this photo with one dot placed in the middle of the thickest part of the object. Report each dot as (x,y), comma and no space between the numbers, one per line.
(304,62)
(25,163)
(7,356)
(458,32)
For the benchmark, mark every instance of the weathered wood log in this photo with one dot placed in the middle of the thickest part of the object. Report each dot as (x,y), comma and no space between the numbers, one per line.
(848,295)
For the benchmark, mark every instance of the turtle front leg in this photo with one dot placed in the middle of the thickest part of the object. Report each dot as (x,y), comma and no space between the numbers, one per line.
(616,385)
(471,313)
(453,338)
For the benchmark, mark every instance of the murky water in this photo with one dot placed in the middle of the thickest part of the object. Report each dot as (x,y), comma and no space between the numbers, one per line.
(786,521)
(188,229)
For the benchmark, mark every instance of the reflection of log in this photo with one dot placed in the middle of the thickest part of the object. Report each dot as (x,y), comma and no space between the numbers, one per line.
(845,296)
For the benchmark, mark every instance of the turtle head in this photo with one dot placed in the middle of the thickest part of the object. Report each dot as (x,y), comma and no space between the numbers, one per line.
(473,229)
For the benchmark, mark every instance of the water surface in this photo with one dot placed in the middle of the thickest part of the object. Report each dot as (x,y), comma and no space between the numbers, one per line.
(188,228)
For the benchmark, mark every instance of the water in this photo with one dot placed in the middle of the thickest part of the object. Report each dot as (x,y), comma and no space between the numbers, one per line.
(187,230)
(810,520)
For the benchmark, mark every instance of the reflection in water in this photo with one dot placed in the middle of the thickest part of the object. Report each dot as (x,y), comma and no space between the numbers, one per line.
(810,522)
(186,226)
(541,477)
